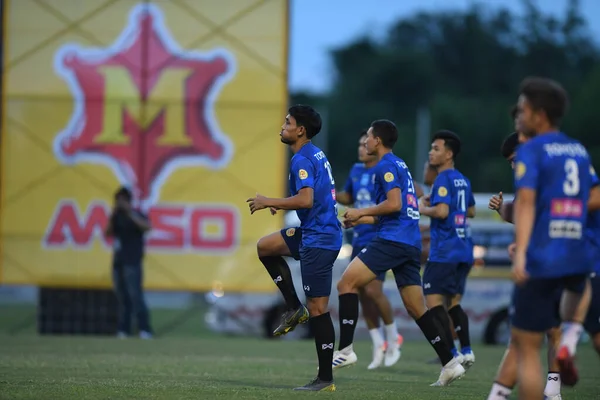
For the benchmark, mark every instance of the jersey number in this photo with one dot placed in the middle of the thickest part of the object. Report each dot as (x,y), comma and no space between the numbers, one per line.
(461,201)
(328,168)
(571,184)
(411,186)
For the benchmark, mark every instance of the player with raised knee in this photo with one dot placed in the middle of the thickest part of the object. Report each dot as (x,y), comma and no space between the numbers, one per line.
(397,246)
(552,190)
(450,254)
(358,191)
(316,243)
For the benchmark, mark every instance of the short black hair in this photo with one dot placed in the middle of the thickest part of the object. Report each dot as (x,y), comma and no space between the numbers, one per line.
(385,130)
(307,117)
(451,141)
(509,145)
(124,192)
(547,95)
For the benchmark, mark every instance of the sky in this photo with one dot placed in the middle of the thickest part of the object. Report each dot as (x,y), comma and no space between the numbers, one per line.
(320,25)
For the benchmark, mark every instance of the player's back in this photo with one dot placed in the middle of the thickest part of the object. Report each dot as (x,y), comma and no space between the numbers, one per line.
(362,188)
(449,236)
(557,168)
(320,225)
(402,226)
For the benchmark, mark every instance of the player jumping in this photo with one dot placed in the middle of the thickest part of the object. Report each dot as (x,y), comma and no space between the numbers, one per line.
(450,254)
(359,191)
(316,243)
(397,246)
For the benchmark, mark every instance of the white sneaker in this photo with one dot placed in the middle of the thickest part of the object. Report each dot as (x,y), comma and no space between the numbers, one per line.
(344,358)
(378,355)
(392,352)
(556,397)
(450,372)
(121,335)
(467,360)
(145,335)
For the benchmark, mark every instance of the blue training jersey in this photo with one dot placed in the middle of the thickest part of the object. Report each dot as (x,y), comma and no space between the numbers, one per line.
(593,229)
(557,167)
(450,236)
(320,225)
(402,226)
(361,186)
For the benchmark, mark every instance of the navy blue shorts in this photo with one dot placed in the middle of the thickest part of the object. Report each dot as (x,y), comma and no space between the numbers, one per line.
(316,265)
(592,320)
(293,238)
(356,250)
(534,304)
(404,260)
(445,278)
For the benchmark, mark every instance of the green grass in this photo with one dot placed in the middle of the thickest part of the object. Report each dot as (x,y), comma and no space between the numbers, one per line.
(186,365)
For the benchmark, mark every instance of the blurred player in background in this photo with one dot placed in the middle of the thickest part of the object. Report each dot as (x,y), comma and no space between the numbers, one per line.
(359,192)
(451,253)
(506,378)
(397,246)
(552,190)
(316,243)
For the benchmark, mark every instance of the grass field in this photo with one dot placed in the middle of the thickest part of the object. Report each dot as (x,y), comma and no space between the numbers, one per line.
(190,363)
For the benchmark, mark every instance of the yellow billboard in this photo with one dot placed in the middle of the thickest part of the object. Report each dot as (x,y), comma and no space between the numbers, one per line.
(179,100)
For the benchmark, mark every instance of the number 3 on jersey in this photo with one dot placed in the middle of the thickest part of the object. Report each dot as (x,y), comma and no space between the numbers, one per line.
(571,185)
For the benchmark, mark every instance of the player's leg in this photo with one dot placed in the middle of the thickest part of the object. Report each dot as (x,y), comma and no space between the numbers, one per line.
(506,377)
(374,292)
(408,280)
(459,317)
(592,320)
(533,315)
(371,316)
(271,250)
(356,276)
(574,306)
(134,279)
(316,267)
(439,284)
(552,389)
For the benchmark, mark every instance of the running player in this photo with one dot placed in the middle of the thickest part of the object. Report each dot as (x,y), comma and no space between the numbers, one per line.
(397,246)
(552,189)
(359,192)
(316,243)
(451,253)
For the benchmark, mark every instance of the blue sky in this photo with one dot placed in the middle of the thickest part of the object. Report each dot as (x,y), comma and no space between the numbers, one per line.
(319,25)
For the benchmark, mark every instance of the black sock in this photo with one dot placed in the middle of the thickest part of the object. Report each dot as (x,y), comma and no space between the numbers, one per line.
(348,318)
(282,276)
(461,325)
(443,319)
(322,327)
(434,334)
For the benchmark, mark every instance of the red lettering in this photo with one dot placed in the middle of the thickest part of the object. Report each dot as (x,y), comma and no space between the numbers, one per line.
(204,221)
(174,227)
(168,230)
(68,227)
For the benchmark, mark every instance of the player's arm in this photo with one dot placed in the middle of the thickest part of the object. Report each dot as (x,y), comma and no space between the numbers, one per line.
(304,175)
(439,203)
(365,220)
(392,204)
(419,192)
(594,200)
(471,205)
(526,176)
(109,231)
(345,196)
(507,211)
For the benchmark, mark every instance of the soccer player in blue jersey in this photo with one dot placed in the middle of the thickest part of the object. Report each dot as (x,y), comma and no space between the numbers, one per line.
(397,246)
(359,192)
(316,243)
(592,320)
(450,252)
(552,190)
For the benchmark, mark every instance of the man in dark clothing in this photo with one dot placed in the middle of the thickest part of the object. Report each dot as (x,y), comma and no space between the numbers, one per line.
(127,227)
